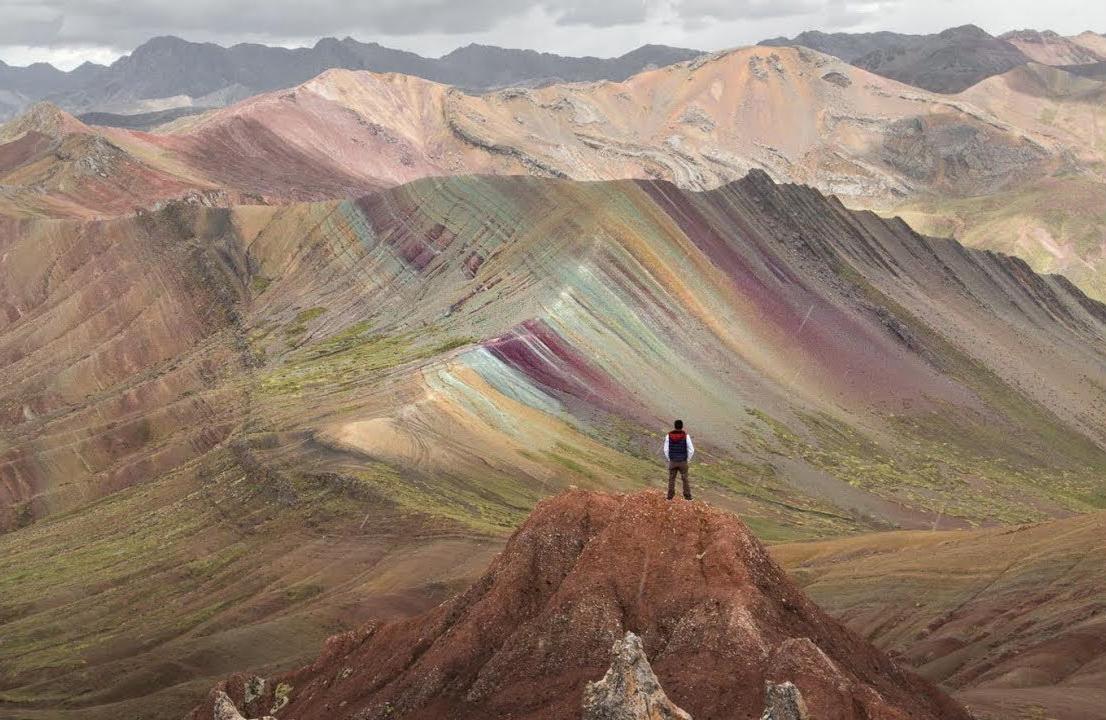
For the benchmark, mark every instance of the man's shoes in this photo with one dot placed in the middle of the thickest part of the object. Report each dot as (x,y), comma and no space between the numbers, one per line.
(671,496)
(686,497)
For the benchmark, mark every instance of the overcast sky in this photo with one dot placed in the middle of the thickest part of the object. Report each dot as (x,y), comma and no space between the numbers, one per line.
(68,32)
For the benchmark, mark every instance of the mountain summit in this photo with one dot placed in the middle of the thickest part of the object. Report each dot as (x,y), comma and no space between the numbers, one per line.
(717,618)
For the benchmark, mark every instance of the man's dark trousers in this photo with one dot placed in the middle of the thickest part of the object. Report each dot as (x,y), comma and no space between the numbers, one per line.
(678,466)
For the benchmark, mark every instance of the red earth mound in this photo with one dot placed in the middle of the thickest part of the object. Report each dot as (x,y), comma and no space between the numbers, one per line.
(717,616)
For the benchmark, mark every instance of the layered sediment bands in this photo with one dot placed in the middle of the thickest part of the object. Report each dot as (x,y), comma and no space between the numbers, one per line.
(117,344)
(282,394)
(640,300)
(1011,163)
(981,165)
(52,165)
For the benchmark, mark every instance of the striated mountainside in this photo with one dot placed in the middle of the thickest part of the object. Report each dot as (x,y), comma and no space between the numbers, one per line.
(1094,71)
(1012,618)
(231,431)
(53,165)
(946,62)
(168,72)
(1050,48)
(717,617)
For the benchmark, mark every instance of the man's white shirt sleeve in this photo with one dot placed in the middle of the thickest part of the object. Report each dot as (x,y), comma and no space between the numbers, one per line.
(665,447)
(690,448)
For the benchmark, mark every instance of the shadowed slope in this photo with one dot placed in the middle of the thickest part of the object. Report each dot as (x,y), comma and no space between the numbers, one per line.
(717,616)
(1011,618)
(945,62)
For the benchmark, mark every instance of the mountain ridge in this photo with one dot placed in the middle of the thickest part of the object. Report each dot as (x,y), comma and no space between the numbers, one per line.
(168,72)
(1050,48)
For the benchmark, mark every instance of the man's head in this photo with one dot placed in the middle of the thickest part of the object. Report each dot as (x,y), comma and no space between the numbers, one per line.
(679,424)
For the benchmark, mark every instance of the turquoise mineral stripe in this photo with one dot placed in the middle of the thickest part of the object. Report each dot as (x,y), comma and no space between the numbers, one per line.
(503,379)
(510,382)
(359,224)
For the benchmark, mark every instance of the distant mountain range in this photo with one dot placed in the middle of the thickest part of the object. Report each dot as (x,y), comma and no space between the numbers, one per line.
(952,60)
(947,62)
(168,72)
(171,74)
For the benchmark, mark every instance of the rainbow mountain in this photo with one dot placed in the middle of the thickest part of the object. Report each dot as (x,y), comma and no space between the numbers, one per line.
(232,430)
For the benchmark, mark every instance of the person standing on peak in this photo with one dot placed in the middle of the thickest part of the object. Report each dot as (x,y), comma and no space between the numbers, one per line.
(678,450)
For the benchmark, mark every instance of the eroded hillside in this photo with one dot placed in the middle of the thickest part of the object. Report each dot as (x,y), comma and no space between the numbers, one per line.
(1010,617)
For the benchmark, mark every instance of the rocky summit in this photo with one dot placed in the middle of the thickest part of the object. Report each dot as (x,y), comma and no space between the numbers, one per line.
(532,637)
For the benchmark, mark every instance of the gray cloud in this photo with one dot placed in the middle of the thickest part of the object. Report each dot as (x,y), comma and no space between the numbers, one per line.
(598,14)
(698,10)
(51,23)
(107,28)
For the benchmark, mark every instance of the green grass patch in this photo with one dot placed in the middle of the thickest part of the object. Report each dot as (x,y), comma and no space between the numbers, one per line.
(491,504)
(299,326)
(350,355)
(303,591)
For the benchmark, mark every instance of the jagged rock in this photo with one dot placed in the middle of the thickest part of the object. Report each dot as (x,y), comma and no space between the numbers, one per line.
(783,702)
(629,690)
(254,689)
(225,709)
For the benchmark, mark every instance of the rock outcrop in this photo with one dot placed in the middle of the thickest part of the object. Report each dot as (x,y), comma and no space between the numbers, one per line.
(630,690)
(223,708)
(697,591)
(783,702)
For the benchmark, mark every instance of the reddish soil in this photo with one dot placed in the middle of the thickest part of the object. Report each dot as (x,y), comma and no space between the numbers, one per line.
(717,616)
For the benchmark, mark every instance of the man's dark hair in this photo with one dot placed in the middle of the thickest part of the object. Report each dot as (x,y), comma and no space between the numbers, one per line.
(679,424)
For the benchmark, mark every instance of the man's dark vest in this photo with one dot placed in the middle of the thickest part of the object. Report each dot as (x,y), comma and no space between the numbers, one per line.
(677,446)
